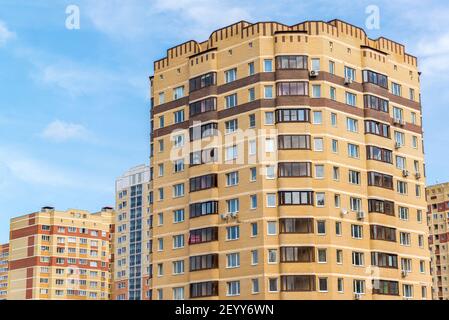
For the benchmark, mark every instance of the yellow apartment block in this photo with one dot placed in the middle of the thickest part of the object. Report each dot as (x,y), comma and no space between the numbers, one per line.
(61,255)
(287,163)
(437,220)
(4,257)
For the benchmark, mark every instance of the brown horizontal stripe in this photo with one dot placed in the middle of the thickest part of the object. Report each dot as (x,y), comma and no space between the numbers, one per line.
(24,232)
(283,74)
(37,230)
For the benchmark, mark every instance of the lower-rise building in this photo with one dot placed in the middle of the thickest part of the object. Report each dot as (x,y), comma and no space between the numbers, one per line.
(61,255)
(4,256)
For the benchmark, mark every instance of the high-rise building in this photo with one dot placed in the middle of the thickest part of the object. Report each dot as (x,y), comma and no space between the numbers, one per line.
(61,255)
(288,164)
(437,220)
(133,236)
(4,257)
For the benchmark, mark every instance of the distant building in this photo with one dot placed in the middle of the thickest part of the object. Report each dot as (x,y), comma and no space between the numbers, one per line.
(4,257)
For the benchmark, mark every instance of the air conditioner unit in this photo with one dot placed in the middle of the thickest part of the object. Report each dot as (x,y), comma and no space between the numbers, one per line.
(357,296)
(233,214)
(348,81)
(405,173)
(224,217)
(397,145)
(404,274)
(360,215)
(314,73)
(397,121)
(402,122)
(343,212)
(418,175)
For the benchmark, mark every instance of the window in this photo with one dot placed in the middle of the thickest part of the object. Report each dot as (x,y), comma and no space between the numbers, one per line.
(232,233)
(400,163)
(379,154)
(340,283)
(375,78)
(178,165)
(331,67)
(386,287)
(203,209)
(403,213)
(376,103)
(353,151)
(384,260)
(253,174)
(233,288)
(402,187)
(297,283)
(178,293)
(178,241)
(357,259)
(294,169)
(321,227)
(296,225)
(381,206)
(206,80)
(317,117)
(252,120)
(359,286)
(318,144)
(270,172)
(297,88)
(178,216)
(383,233)
(356,231)
(381,180)
(233,205)
(230,75)
(268,65)
(334,119)
(231,101)
(269,145)
(204,289)
(291,62)
(396,89)
(233,260)
(271,200)
(339,255)
(178,93)
(377,128)
(399,138)
(315,64)
(407,291)
(161,98)
(232,179)
(333,93)
(406,265)
(273,285)
(316,91)
(231,126)
(268,92)
(254,229)
(272,256)
(204,262)
(203,131)
(319,171)
(251,94)
(178,267)
(398,114)
(251,69)
(404,238)
(322,255)
(178,141)
(294,142)
(334,146)
(415,142)
(351,99)
(293,115)
(297,254)
(354,177)
(203,157)
(271,228)
(203,182)
(322,284)
(203,235)
(352,125)
(255,286)
(206,105)
(254,257)
(269,118)
(349,73)
(295,198)
(178,190)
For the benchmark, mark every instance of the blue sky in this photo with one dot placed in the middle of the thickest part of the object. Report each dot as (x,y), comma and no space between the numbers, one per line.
(74,103)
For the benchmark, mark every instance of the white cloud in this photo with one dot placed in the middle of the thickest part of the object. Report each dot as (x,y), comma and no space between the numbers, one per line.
(60,131)
(5,33)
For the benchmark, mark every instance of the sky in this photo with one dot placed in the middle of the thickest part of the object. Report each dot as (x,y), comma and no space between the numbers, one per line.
(74,103)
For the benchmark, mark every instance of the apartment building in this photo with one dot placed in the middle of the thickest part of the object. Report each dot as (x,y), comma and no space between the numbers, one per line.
(133,236)
(288,164)
(61,255)
(437,220)
(4,256)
